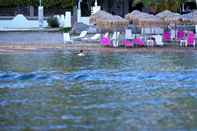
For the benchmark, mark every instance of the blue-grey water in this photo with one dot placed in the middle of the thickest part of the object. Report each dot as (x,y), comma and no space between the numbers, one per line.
(104,91)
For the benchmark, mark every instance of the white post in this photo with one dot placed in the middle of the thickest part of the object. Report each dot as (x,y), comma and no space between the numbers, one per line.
(41,15)
(67,21)
(79,11)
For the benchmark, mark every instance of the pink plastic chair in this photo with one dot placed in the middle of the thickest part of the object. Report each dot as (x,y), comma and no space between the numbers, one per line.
(127,43)
(138,42)
(105,41)
(166,36)
(191,39)
(180,35)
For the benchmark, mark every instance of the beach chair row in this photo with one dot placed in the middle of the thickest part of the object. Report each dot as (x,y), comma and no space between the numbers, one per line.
(127,39)
(183,38)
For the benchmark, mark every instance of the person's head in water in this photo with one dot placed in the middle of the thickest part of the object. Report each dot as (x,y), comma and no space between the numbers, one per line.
(81,53)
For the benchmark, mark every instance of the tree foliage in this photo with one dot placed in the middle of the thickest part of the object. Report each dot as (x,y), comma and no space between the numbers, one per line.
(160,5)
(46,3)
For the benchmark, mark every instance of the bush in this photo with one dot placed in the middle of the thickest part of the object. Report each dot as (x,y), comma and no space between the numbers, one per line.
(53,22)
(65,29)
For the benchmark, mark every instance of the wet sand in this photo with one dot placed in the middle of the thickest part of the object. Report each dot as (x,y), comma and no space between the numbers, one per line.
(26,48)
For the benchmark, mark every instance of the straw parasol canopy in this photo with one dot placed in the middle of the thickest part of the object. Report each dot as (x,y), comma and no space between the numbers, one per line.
(169,17)
(108,21)
(99,15)
(150,21)
(142,19)
(135,15)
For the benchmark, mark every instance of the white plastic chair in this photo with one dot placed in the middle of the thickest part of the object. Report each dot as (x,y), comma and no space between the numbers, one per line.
(128,34)
(158,39)
(115,40)
(183,43)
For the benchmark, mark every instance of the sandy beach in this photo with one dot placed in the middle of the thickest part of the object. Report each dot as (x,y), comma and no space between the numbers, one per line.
(26,48)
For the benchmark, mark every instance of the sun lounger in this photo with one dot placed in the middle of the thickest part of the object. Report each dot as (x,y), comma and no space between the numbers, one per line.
(94,38)
(82,35)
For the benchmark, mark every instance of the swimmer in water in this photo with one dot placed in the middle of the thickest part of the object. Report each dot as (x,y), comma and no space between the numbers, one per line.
(81,53)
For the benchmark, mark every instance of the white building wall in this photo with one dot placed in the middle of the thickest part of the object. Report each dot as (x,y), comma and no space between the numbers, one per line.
(20,22)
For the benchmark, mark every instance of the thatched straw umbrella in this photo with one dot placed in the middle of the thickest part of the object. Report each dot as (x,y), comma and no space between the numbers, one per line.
(112,23)
(135,15)
(108,21)
(150,21)
(169,17)
(99,15)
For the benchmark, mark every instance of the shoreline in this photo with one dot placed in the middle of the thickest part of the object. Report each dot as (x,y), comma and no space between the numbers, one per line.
(28,48)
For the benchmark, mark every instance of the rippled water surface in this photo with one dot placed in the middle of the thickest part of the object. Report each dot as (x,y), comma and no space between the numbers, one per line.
(111,91)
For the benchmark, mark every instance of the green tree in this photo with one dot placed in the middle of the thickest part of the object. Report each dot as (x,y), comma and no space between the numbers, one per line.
(46,3)
(160,5)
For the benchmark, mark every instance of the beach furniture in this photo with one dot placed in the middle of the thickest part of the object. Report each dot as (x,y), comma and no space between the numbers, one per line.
(181,38)
(172,34)
(66,38)
(127,43)
(115,39)
(95,37)
(127,38)
(128,34)
(105,41)
(150,42)
(158,40)
(180,35)
(183,42)
(138,42)
(82,35)
(166,37)
(191,39)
